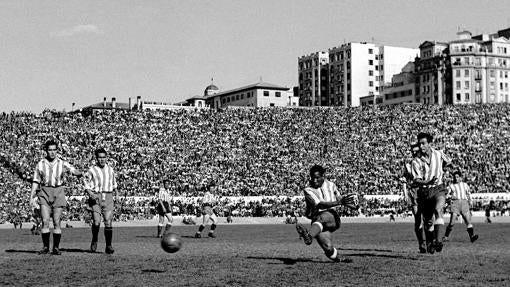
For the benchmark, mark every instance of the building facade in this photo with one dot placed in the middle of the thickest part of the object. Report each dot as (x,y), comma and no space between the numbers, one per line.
(313,79)
(433,74)
(260,94)
(403,87)
(356,71)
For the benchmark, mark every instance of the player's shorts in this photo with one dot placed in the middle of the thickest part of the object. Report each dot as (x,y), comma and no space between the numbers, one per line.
(329,219)
(103,204)
(162,211)
(431,193)
(459,206)
(207,210)
(413,197)
(52,197)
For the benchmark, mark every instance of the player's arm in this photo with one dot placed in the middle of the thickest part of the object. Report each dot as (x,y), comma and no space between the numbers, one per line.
(88,183)
(468,194)
(73,170)
(160,201)
(115,189)
(35,185)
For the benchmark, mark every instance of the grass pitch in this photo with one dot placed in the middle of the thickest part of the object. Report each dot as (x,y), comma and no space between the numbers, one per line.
(381,254)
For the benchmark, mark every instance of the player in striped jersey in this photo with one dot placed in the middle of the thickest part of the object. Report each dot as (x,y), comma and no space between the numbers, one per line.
(428,175)
(410,193)
(460,195)
(321,198)
(208,214)
(101,187)
(164,207)
(48,178)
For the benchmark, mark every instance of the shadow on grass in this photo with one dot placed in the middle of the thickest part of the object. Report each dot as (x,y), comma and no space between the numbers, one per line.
(153,271)
(289,261)
(78,250)
(362,249)
(380,255)
(146,236)
(21,251)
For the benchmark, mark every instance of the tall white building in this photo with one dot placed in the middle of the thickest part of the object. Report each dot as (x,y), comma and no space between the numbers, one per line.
(355,70)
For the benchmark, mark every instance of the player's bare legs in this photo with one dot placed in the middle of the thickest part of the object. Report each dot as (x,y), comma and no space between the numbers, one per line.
(213,219)
(449,228)
(470,230)
(170,220)
(57,231)
(326,243)
(96,224)
(108,231)
(418,228)
(45,229)
(205,219)
(439,222)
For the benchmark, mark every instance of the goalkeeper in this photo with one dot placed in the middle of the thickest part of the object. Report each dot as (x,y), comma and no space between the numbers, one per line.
(321,198)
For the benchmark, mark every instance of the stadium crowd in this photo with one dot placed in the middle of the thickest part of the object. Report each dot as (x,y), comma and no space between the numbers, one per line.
(255,152)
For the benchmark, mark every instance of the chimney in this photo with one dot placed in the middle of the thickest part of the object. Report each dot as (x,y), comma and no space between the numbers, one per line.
(104,102)
(138,102)
(129,105)
(113,103)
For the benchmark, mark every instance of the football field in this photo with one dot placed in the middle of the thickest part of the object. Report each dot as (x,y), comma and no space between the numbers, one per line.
(375,254)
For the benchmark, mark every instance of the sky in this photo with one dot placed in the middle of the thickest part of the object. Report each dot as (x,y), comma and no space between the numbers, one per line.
(55,53)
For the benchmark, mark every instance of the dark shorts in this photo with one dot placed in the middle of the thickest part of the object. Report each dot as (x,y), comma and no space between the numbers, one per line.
(162,211)
(429,199)
(103,204)
(459,207)
(52,197)
(329,219)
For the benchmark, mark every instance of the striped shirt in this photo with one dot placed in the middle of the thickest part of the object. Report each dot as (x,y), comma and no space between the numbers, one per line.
(48,173)
(164,195)
(100,179)
(426,168)
(208,199)
(328,192)
(459,191)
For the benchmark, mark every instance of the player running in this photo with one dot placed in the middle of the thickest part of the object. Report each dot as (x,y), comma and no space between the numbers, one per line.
(428,175)
(410,192)
(460,195)
(48,176)
(164,208)
(321,198)
(208,214)
(101,186)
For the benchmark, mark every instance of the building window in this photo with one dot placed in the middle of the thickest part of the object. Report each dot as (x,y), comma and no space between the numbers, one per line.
(466,73)
(242,96)
(370,83)
(266,93)
(237,97)
(457,73)
(277,94)
(467,97)
(370,72)
(466,85)
(371,62)
(457,85)
(458,97)
(370,51)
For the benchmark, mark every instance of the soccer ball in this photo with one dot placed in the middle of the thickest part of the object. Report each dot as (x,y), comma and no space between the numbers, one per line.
(171,242)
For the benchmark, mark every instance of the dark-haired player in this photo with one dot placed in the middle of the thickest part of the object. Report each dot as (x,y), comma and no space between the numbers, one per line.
(410,192)
(321,198)
(164,208)
(101,187)
(459,193)
(48,176)
(428,175)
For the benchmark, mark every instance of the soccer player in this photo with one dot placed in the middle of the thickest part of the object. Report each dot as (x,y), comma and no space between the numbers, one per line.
(208,214)
(460,195)
(428,175)
(101,186)
(410,192)
(164,208)
(321,198)
(48,176)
